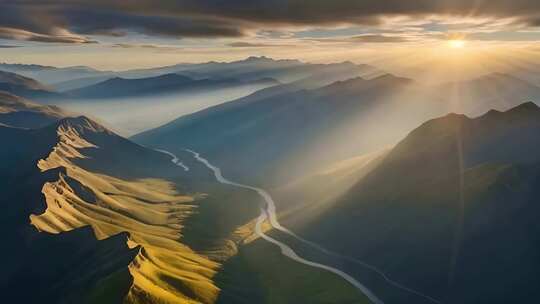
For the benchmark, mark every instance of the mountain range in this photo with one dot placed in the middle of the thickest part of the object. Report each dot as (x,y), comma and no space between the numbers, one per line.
(113,221)
(24,86)
(159,85)
(449,212)
(273,130)
(331,183)
(249,69)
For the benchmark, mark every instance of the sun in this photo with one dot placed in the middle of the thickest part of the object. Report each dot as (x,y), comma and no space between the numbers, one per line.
(456,43)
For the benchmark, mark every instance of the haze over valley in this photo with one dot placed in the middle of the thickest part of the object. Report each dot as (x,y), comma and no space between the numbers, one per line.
(273,152)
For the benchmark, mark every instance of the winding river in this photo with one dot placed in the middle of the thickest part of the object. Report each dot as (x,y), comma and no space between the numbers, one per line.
(269,213)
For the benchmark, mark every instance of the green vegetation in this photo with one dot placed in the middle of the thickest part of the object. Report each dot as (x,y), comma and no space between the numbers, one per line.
(261,274)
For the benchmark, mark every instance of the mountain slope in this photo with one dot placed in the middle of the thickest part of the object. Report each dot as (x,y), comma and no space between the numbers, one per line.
(49,74)
(19,112)
(24,86)
(450,211)
(293,121)
(64,268)
(77,191)
(163,84)
(92,181)
(271,132)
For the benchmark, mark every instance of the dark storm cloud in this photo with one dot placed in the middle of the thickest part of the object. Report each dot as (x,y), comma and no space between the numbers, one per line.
(104,22)
(317,11)
(232,18)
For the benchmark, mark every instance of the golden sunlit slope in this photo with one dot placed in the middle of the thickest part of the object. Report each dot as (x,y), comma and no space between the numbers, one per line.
(69,267)
(150,209)
(74,181)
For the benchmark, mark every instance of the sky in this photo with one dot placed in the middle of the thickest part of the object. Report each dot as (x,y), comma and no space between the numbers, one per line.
(465,36)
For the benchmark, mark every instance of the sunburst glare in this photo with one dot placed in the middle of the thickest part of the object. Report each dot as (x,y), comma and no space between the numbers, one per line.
(456,43)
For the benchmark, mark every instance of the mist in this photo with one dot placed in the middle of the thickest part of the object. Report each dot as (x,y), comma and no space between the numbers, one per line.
(129,116)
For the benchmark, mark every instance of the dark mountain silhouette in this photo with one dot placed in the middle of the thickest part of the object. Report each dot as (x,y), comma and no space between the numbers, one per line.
(451,211)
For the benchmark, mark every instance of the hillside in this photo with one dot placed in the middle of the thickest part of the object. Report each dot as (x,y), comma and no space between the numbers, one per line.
(158,85)
(64,268)
(270,133)
(24,86)
(19,112)
(450,211)
(74,180)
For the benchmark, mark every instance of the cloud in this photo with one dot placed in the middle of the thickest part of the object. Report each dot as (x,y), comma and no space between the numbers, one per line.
(94,22)
(18,34)
(233,18)
(367,38)
(241,44)
(146,46)
(378,39)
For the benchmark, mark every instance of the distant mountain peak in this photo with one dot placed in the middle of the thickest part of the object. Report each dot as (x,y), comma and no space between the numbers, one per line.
(258,58)
(527,105)
(265,59)
(16,79)
(383,79)
(524,110)
(165,77)
(393,78)
(349,82)
(499,76)
(174,76)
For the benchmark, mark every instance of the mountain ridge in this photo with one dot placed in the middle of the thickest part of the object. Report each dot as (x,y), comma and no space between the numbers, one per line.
(438,199)
(19,112)
(169,83)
